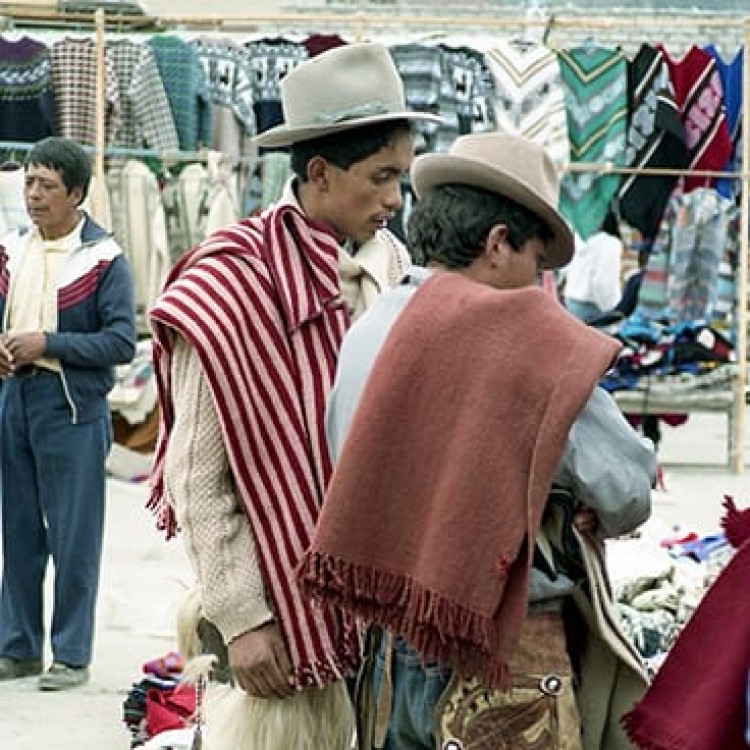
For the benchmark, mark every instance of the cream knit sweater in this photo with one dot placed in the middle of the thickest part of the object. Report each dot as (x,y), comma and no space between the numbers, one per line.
(212,520)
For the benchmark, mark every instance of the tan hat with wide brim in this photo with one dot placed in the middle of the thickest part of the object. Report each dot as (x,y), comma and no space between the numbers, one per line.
(347,87)
(509,165)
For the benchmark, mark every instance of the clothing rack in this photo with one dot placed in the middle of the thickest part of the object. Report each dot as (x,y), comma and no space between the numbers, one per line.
(362,25)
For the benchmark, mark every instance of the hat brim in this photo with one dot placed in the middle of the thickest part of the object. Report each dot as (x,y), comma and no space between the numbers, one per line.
(283,135)
(432,170)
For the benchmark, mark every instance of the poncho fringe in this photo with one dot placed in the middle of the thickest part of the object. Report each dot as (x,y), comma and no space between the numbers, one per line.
(438,628)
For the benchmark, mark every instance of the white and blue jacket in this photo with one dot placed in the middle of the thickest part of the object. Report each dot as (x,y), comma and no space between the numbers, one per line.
(95,315)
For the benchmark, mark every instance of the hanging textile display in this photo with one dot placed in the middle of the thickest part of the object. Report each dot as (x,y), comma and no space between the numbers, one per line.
(231,82)
(27,100)
(466,95)
(655,139)
(529,98)
(185,85)
(595,83)
(681,280)
(74,67)
(730,74)
(699,95)
(146,118)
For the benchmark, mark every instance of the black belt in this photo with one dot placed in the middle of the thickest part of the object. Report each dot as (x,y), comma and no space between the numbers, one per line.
(28,371)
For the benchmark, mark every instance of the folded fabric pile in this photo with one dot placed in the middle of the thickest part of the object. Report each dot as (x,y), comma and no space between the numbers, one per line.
(159,702)
(659,579)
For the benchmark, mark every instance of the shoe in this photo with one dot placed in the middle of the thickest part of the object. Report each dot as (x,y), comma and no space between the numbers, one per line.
(14,669)
(63,677)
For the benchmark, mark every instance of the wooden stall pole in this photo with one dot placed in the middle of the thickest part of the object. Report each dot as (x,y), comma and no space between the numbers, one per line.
(738,439)
(98,200)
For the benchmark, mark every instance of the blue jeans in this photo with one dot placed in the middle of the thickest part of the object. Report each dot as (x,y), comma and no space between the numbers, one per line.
(52,495)
(417,688)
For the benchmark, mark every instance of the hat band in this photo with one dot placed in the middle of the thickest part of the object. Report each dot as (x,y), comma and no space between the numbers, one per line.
(368,109)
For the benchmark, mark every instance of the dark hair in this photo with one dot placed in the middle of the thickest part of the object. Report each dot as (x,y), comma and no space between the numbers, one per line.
(67,158)
(450,224)
(347,147)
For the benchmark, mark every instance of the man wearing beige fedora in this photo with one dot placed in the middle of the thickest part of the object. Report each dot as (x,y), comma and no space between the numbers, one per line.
(247,332)
(476,462)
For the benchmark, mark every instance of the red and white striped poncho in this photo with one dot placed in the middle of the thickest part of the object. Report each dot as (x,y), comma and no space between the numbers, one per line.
(260,303)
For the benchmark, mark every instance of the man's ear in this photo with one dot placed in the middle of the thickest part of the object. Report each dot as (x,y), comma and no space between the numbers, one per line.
(76,194)
(495,243)
(317,172)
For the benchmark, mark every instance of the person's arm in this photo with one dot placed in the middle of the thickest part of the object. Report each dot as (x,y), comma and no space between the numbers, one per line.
(608,466)
(217,535)
(115,341)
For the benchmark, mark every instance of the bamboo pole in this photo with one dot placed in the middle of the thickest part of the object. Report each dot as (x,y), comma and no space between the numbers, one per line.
(362,19)
(738,439)
(98,198)
(607,167)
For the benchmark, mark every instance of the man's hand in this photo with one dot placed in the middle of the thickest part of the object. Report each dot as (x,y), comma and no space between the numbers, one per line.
(585,519)
(260,664)
(7,363)
(18,349)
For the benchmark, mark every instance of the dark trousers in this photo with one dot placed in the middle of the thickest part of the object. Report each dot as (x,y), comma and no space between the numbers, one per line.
(53,497)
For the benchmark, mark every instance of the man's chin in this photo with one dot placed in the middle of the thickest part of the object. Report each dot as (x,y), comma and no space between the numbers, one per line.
(364,237)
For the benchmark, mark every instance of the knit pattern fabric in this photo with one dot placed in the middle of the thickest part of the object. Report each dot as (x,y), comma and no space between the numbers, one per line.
(468,90)
(595,82)
(655,139)
(681,279)
(27,100)
(271,59)
(230,77)
(700,97)
(74,80)
(421,70)
(146,119)
(530,99)
(214,526)
(186,88)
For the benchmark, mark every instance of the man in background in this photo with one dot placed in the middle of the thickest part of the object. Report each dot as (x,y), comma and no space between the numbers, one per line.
(68,317)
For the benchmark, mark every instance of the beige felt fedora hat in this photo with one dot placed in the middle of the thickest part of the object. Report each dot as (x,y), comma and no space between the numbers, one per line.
(346,87)
(510,165)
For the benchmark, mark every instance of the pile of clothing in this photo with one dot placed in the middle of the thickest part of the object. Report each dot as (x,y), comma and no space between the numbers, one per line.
(659,579)
(159,703)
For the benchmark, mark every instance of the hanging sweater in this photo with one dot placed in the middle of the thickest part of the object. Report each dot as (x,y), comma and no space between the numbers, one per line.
(731,84)
(595,82)
(655,139)
(530,99)
(74,64)
(231,80)
(271,59)
(681,281)
(466,95)
(146,119)
(700,97)
(27,101)
(420,67)
(185,84)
